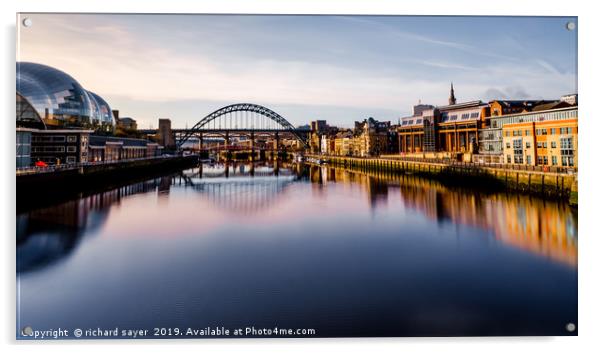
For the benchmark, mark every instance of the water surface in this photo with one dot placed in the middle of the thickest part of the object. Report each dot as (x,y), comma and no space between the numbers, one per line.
(343,252)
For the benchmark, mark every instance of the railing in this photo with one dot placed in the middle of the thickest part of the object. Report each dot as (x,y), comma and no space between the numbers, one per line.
(73,166)
(454,163)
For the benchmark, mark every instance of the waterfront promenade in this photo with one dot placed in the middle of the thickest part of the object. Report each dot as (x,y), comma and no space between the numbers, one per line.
(39,186)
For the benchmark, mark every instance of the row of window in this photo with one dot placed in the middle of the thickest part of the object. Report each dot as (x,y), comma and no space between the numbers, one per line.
(501,121)
(463,116)
(410,122)
(539,132)
(57,138)
(54,149)
(567,161)
(566,143)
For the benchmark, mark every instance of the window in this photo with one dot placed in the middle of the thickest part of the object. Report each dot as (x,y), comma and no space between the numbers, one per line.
(518,159)
(539,144)
(545,160)
(72,138)
(544,131)
(527,144)
(527,132)
(539,160)
(554,160)
(545,144)
(566,151)
(508,159)
(528,159)
(507,144)
(518,147)
(71,149)
(570,130)
(553,131)
(566,143)
(70,160)
(553,144)
(568,161)
(58,138)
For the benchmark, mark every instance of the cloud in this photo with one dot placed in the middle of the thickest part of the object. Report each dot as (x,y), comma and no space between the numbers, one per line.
(516,92)
(136,64)
(447,65)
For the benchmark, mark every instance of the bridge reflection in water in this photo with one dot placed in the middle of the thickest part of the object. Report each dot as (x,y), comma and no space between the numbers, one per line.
(544,228)
(239,187)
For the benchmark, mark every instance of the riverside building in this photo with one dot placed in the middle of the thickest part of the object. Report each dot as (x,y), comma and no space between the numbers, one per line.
(451,128)
(542,138)
(59,122)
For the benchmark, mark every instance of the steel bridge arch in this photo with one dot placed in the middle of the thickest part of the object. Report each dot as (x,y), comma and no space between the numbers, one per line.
(242,107)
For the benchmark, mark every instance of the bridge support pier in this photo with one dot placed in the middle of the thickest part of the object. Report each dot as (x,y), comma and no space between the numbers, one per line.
(227,145)
(252,146)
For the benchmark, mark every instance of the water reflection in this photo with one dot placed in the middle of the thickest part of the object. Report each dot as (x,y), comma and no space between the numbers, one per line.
(240,188)
(47,235)
(542,227)
(348,253)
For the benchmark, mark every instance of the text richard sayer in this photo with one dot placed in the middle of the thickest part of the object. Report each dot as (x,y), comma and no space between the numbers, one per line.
(169,332)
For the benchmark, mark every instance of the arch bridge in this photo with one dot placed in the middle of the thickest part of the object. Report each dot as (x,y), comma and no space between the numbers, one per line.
(244,122)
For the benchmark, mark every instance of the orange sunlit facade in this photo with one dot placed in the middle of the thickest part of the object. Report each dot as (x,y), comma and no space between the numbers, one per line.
(541,143)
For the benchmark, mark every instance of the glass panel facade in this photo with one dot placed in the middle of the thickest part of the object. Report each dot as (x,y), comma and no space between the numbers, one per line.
(58,99)
(27,116)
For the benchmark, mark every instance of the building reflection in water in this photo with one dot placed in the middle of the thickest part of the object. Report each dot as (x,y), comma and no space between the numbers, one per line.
(47,235)
(546,228)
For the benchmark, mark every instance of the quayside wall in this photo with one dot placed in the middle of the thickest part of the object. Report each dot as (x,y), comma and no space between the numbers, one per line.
(548,184)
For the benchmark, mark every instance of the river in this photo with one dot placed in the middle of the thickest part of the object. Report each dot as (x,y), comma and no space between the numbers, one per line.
(340,252)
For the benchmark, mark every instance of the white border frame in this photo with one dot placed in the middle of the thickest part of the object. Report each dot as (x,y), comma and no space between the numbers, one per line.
(590,293)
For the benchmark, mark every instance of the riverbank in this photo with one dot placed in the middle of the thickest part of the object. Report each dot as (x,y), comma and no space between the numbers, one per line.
(547,184)
(44,187)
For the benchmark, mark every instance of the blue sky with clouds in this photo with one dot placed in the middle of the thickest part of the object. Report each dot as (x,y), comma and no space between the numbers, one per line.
(338,68)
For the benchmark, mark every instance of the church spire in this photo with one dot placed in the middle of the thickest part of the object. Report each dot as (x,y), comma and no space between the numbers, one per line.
(452,97)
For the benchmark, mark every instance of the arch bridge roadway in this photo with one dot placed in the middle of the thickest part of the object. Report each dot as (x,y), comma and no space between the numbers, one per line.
(244,121)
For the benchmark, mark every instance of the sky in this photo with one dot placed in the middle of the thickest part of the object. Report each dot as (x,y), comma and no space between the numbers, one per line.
(336,68)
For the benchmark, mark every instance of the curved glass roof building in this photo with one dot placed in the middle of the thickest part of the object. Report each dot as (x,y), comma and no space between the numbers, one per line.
(59,100)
